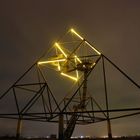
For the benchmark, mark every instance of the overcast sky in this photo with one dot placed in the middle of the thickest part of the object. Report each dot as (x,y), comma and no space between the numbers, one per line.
(28,27)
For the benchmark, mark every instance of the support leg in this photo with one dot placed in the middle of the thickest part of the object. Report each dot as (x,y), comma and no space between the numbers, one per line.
(19,126)
(109,129)
(61,127)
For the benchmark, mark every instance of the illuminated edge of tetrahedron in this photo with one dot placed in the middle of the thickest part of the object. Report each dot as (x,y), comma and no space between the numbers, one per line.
(76,59)
(74,32)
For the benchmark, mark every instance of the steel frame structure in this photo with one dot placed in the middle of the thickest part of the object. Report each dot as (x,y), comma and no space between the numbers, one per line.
(68,110)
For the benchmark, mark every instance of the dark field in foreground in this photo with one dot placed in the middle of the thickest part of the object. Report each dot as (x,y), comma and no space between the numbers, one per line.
(119,138)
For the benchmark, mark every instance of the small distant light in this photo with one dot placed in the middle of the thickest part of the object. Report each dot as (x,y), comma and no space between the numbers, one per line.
(104,136)
(84,66)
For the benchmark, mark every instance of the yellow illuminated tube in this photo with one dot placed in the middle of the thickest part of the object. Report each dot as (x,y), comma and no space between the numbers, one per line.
(92,48)
(78,59)
(71,77)
(51,61)
(59,68)
(58,46)
(77,74)
(73,31)
(93,65)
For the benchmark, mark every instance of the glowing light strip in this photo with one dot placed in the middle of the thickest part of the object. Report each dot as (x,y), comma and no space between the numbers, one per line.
(77,74)
(58,46)
(51,61)
(78,59)
(71,77)
(92,48)
(59,68)
(93,65)
(73,31)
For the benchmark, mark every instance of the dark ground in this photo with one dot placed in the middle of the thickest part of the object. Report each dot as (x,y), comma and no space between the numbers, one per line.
(119,138)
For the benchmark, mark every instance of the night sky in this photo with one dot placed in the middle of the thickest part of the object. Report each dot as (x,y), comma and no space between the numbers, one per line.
(27,28)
